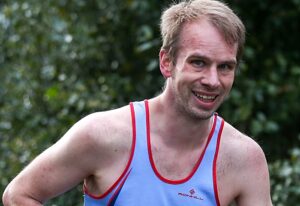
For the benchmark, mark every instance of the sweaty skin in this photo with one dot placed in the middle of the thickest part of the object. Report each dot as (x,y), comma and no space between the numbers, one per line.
(97,148)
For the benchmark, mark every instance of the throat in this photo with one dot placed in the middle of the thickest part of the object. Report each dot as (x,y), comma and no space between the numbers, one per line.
(183,134)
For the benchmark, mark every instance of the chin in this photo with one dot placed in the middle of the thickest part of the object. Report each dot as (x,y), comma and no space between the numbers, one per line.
(205,115)
(200,115)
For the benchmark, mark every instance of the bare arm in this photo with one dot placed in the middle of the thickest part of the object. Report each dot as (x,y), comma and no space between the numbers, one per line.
(254,178)
(59,168)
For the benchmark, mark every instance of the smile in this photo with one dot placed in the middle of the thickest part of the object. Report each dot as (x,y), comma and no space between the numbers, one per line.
(208,98)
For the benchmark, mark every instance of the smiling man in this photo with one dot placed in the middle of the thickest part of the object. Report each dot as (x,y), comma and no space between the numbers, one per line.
(172,149)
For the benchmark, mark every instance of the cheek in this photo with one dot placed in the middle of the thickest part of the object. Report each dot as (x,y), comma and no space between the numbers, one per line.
(228,83)
(183,75)
(182,79)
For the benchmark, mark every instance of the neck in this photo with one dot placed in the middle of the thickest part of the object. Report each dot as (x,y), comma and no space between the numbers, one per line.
(176,129)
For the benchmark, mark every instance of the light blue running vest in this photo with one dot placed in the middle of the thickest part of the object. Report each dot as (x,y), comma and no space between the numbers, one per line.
(142,185)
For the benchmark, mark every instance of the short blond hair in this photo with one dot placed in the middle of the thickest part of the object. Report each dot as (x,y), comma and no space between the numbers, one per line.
(216,12)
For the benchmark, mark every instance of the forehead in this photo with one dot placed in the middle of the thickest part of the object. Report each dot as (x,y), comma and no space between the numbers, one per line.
(201,36)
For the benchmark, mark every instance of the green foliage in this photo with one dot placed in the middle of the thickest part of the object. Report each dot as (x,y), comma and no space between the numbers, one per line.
(61,60)
(265,99)
(285,180)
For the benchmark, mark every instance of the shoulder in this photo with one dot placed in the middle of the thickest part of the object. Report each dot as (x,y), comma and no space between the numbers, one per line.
(240,147)
(104,128)
(104,121)
(107,118)
(242,165)
(98,135)
(97,139)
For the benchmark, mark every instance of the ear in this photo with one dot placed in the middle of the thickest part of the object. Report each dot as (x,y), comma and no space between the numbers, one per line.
(165,63)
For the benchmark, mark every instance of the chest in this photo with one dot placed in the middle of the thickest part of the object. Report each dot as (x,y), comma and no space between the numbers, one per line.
(175,164)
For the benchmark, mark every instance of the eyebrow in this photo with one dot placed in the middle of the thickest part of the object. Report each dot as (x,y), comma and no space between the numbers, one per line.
(200,56)
(231,62)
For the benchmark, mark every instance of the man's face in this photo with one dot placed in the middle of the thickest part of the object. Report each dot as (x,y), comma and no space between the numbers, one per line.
(204,71)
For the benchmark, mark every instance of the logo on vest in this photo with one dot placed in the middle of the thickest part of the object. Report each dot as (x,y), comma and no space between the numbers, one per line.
(191,194)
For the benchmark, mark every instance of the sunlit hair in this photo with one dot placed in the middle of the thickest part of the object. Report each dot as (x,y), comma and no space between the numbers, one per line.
(216,12)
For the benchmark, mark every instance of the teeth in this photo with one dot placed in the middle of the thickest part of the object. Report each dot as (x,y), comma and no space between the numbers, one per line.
(205,97)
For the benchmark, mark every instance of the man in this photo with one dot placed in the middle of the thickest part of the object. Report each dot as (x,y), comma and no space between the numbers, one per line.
(172,149)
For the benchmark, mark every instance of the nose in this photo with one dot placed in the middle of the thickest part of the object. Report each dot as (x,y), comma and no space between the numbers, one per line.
(211,78)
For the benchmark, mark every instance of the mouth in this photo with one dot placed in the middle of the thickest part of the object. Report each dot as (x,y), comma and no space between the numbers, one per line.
(205,97)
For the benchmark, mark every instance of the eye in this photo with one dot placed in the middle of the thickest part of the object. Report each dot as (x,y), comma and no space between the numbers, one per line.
(226,67)
(197,63)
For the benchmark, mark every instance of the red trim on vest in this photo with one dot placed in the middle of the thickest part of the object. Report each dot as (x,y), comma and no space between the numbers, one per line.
(113,197)
(215,178)
(128,163)
(151,156)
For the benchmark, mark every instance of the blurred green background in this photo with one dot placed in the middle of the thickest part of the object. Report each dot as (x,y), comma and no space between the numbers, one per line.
(61,60)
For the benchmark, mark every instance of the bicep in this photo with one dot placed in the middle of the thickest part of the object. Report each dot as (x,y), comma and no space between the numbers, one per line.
(254,180)
(57,169)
